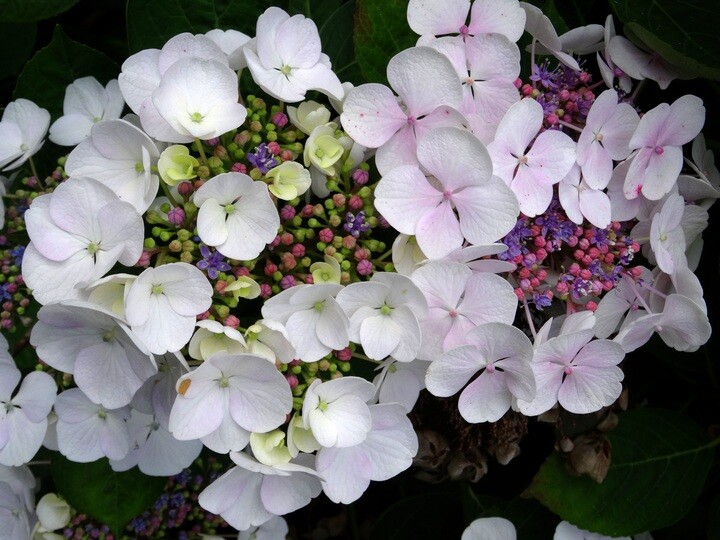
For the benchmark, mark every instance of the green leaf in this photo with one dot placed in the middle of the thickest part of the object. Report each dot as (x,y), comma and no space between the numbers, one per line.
(317,10)
(660,460)
(16,46)
(337,41)
(381,31)
(418,517)
(531,519)
(151,24)
(22,11)
(53,68)
(683,33)
(109,497)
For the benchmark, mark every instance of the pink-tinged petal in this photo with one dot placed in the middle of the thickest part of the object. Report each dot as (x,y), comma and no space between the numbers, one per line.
(448,373)
(685,120)
(494,98)
(595,206)
(517,129)
(596,163)
(424,79)
(284,494)
(371,114)
(493,56)
(548,378)
(533,196)
(619,131)
(442,283)
(684,325)
(539,26)
(622,209)
(662,172)
(569,200)
(635,173)
(438,231)
(638,332)
(551,157)
(488,212)
(50,240)
(236,496)
(639,64)
(73,206)
(139,77)
(650,127)
(404,196)
(453,48)
(391,443)
(589,388)
(485,399)
(400,149)
(600,353)
(488,298)
(318,77)
(455,157)
(504,17)
(437,17)
(345,473)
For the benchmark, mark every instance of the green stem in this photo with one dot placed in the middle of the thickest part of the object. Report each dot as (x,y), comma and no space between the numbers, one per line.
(35,173)
(201,150)
(169,195)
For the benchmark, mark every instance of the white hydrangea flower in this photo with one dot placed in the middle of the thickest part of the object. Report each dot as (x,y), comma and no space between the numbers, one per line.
(22,129)
(86,103)
(162,304)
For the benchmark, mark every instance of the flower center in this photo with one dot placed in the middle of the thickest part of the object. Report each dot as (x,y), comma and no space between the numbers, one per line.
(659,150)
(453,313)
(385,309)
(93,248)
(229,208)
(196,117)
(157,289)
(286,70)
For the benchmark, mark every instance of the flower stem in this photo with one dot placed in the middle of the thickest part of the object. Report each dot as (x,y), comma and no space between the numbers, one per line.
(528,316)
(35,173)
(201,150)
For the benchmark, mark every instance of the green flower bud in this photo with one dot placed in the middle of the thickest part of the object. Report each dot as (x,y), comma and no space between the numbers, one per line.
(176,164)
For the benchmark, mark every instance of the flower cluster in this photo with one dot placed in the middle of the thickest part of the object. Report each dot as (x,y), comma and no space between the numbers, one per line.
(214,271)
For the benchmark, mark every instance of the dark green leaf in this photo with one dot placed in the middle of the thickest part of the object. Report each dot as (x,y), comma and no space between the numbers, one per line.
(417,517)
(151,24)
(684,33)
(109,497)
(381,31)
(336,36)
(317,10)
(16,45)
(551,12)
(32,10)
(531,519)
(660,460)
(53,68)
